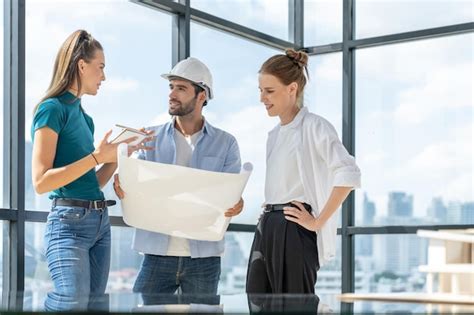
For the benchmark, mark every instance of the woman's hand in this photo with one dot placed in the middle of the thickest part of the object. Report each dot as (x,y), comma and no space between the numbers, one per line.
(141,145)
(236,209)
(302,217)
(107,152)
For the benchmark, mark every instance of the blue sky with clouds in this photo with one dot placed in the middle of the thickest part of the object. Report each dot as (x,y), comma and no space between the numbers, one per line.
(414,100)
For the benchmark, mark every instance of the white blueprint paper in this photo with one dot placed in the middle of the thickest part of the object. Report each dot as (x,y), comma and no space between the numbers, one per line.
(179,201)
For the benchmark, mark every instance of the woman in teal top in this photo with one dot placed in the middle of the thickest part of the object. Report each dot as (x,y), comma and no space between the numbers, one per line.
(77,236)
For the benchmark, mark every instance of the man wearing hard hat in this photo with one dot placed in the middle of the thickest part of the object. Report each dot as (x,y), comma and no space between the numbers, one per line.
(187,140)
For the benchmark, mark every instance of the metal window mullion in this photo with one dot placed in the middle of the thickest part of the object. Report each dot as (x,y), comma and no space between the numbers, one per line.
(216,23)
(450,30)
(296,23)
(14,127)
(241,31)
(41,216)
(6,152)
(348,138)
(428,33)
(181,34)
(169,6)
(323,49)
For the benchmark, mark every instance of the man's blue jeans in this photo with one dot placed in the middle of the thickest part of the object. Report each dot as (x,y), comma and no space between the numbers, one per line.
(165,274)
(77,242)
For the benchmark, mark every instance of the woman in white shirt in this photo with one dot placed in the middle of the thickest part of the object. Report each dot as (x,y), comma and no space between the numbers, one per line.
(309,174)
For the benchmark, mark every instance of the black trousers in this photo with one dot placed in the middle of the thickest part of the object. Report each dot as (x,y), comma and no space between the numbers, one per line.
(283,257)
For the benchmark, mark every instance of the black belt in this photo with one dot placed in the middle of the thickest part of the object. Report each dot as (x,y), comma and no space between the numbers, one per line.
(89,204)
(279,207)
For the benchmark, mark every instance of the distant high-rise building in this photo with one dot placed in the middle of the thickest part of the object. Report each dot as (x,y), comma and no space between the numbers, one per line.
(234,256)
(400,204)
(467,213)
(402,253)
(234,267)
(369,211)
(454,210)
(364,245)
(437,211)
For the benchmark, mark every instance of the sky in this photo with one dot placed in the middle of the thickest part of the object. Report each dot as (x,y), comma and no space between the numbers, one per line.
(414,101)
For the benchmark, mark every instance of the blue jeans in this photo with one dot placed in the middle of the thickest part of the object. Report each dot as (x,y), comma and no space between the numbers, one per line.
(77,242)
(165,274)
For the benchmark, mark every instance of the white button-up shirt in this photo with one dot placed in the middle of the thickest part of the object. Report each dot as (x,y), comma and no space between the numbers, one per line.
(282,180)
(323,163)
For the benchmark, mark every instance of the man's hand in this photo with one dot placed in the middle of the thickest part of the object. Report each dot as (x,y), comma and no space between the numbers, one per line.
(141,145)
(235,210)
(118,190)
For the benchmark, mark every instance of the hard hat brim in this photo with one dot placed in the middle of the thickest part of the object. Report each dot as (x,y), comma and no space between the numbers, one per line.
(169,76)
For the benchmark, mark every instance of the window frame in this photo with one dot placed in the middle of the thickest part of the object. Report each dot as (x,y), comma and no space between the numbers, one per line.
(13,212)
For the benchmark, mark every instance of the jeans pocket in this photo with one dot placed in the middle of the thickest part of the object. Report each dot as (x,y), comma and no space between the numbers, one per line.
(71,214)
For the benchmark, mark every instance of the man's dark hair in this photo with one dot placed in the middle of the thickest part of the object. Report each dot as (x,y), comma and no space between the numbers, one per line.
(197,90)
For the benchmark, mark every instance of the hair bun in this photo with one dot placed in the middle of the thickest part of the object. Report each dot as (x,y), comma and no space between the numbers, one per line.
(299,58)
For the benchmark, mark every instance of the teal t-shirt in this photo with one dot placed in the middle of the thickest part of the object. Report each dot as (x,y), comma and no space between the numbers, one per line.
(75,130)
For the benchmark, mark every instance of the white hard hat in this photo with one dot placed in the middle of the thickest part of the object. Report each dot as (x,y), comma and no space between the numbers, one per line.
(193,70)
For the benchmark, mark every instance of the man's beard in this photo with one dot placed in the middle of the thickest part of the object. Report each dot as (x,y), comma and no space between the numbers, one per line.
(183,109)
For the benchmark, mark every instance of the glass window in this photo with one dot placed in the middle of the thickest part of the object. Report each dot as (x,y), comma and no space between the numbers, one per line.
(376,18)
(322,22)
(267,16)
(37,279)
(234,262)
(415,132)
(389,263)
(137,47)
(124,267)
(234,64)
(323,92)
(329,275)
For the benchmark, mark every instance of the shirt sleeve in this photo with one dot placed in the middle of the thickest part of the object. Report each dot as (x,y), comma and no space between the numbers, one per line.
(341,165)
(49,114)
(232,162)
(90,122)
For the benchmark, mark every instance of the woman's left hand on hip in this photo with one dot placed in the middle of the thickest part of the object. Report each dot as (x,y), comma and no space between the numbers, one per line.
(301,216)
